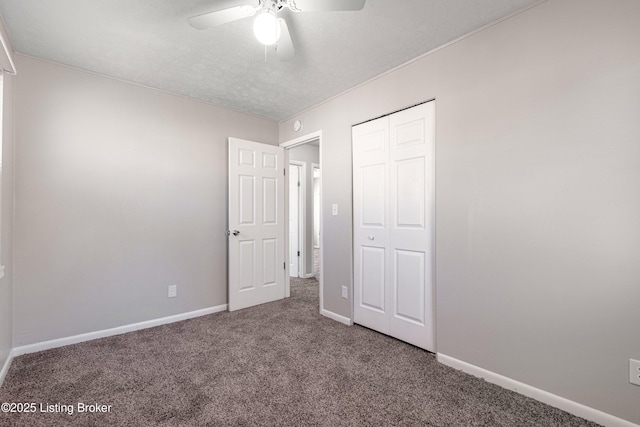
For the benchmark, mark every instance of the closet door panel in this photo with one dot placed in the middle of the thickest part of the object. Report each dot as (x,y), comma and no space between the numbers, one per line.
(409,193)
(409,286)
(373,195)
(372,286)
(411,238)
(371,224)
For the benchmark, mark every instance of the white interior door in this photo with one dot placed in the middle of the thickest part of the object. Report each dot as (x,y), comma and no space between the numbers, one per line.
(294,220)
(256,223)
(393,225)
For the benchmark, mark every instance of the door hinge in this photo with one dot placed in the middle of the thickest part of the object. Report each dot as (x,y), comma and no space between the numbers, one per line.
(298,183)
(284,172)
(284,265)
(298,253)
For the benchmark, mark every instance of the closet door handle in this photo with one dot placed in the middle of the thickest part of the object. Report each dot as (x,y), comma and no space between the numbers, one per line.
(371,237)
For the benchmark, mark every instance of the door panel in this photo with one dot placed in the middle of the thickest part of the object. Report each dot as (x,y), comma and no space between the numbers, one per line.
(373,195)
(269,161)
(372,280)
(410,132)
(270,201)
(246,157)
(371,210)
(374,141)
(256,212)
(247,199)
(269,262)
(247,258)
(409,286)
(409,193)
(412,169)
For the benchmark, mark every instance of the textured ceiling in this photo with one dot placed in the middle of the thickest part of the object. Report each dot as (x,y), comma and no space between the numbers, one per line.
(149,42)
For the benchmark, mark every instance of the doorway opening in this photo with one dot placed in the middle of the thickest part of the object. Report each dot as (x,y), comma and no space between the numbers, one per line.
(316,219)
(303,209)
(297,217)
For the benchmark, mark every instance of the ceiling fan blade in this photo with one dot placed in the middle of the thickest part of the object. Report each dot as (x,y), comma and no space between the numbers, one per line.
(219,17)
(329,5)
(284,48)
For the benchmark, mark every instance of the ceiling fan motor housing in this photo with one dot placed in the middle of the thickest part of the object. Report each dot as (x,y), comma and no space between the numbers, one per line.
(272,5)
(276,5)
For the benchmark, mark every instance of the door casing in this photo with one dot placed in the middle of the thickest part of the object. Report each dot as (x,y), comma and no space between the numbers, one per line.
(305,139)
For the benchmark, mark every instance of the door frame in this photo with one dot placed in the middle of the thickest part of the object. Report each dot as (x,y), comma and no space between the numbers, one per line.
(301,140)
(301,214)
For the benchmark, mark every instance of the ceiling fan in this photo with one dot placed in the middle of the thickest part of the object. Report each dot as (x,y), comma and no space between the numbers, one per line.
(268,28)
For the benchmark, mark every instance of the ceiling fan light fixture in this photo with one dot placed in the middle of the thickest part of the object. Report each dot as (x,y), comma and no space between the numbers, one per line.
(266,28)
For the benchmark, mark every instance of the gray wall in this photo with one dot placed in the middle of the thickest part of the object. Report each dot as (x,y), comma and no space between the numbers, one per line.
(120,192)
(537,195)
(309,154)
(6,233)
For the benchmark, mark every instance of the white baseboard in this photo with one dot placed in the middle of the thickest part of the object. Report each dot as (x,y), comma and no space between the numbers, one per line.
(336,317)
(309,276)
(567,405)
(5,368)
(46,345)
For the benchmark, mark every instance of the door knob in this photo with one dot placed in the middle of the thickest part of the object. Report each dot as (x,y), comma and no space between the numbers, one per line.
(235,232)
(371,237)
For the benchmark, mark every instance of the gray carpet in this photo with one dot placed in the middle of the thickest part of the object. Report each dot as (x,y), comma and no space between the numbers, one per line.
(278,364)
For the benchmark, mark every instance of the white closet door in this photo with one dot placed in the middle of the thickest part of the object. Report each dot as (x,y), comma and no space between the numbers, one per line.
(393,225)
(411,139)
(371,223)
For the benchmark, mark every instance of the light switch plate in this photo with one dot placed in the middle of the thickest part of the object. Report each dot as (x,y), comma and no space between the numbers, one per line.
(634,371)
